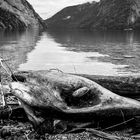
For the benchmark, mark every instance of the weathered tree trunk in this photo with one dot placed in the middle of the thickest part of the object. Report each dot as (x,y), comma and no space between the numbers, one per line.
(128,86)
(125,86)
(57,95)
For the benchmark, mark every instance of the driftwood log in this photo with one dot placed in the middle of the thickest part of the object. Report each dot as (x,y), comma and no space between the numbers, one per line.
(128,86)
(58,96)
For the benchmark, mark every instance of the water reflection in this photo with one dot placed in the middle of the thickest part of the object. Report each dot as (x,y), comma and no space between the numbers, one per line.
(121,47)
(16,45)
(103,53)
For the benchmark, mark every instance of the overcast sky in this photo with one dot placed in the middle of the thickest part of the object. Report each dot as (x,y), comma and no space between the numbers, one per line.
(46,8)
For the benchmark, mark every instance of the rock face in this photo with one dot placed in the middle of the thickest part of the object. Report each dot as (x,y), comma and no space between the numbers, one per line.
(106,14)
(18,14)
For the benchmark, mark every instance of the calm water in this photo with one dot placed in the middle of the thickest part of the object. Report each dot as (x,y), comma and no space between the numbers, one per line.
(101,53)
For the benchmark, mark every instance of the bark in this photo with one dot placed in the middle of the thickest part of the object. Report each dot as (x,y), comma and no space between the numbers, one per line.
(128,86)
(57,95)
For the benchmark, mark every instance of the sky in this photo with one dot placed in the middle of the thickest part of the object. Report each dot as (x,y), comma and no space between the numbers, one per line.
(47,8)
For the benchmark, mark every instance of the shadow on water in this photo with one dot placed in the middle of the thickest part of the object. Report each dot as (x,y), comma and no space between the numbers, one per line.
(17,44)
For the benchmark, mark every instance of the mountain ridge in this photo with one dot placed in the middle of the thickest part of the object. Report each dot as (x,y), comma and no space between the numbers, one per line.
(103,15)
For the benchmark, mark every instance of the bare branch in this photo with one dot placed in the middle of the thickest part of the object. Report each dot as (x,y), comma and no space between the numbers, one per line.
(1,63)
(3,97)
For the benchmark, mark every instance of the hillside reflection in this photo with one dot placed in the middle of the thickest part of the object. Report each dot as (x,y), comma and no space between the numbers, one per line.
(100,53)
(122,47)
(16,45)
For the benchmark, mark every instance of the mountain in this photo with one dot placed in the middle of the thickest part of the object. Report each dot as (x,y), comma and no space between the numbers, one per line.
(103,15)
(18,14)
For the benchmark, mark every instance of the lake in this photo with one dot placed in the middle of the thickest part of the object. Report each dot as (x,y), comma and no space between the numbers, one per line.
(96,53)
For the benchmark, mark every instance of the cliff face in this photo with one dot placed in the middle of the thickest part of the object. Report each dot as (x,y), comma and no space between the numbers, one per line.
(18,14)
(106,14)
